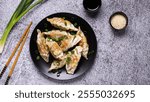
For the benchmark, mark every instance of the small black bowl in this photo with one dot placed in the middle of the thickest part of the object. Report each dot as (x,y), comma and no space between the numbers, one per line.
(119,13)
(92,6)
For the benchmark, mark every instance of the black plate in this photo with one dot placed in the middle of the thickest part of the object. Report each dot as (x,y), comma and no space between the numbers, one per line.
(83,66)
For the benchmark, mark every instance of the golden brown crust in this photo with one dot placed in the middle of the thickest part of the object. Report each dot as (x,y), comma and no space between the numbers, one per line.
(73,59)
(54,48)
(83,43)
(62,24)
(42,47)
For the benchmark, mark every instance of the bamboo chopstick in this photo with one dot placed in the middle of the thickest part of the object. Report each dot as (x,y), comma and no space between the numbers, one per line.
(15,50)
(16,59)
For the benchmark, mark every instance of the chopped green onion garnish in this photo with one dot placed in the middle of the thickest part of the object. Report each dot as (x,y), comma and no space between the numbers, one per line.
(72,52)
(59,39)
(49,38)
(75,24)
(73,33)
(46,30)
(68,59)
(91,52)
(38,58)
(65,23)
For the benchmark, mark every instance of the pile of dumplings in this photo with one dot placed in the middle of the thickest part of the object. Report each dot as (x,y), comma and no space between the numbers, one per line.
(58,42)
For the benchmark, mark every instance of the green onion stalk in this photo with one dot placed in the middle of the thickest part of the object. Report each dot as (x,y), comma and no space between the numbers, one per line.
(24,7)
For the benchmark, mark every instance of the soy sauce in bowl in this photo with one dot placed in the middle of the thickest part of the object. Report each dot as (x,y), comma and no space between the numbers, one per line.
(92,5)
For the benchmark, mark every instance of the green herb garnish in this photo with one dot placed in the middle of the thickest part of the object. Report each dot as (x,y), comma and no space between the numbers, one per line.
(38,58)
(59,39)
(58,63)
(64,18)
(91,52)
(46,30)
(65,23)
(48,38)
(72,52)
(73,33)
(75,24)
(68,60)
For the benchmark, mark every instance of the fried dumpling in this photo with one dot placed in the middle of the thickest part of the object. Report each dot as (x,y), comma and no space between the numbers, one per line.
(83,43)
(57,64)
(54,48)
(75,41)
(62,24)
(72,60)
(56,34)
(42,47)
(69,42)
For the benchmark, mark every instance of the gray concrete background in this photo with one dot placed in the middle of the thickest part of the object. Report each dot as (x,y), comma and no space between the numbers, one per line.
(120,60)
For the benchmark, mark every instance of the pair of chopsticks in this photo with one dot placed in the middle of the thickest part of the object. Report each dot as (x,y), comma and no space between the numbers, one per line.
(19,44)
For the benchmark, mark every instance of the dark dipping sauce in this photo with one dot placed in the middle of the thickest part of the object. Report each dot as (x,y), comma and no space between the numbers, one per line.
(92,5)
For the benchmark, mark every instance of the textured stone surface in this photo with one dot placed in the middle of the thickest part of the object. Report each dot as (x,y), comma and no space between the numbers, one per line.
(121,59)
